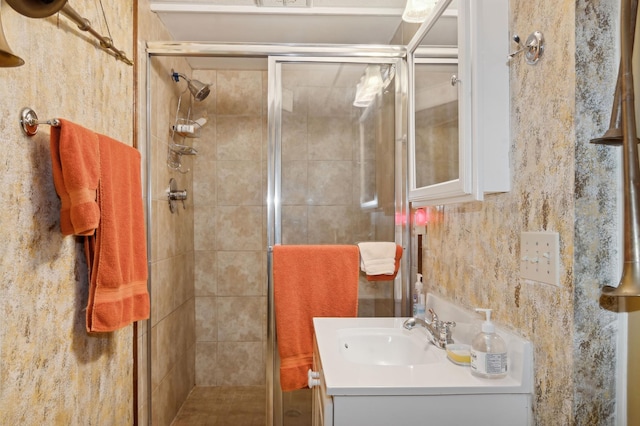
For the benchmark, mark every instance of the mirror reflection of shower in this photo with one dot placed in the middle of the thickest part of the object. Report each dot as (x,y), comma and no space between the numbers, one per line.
(184,126)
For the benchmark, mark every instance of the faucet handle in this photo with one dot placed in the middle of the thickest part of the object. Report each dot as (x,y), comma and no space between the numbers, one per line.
(448,325)
(445,330)
(434,316)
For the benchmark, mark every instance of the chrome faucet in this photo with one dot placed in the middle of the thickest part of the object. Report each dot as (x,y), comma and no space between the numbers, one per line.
(439,332)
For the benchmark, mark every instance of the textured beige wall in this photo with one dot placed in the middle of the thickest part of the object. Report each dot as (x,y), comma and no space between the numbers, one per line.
(52,371)
(561,183)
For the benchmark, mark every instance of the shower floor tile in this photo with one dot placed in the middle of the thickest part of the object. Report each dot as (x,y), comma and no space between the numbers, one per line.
(223,406)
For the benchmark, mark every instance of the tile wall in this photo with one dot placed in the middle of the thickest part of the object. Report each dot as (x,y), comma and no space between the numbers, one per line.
(320,195)
(230,257)
(172,267)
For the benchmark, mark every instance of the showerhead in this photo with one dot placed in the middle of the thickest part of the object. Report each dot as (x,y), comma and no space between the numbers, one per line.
(198,89)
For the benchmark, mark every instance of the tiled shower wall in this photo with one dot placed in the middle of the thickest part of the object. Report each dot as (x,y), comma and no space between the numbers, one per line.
(172,267)
(172,259)
(172,270)
(230,182)
(230,257)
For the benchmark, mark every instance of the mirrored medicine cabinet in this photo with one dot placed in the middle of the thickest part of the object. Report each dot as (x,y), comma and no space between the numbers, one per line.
(458,133)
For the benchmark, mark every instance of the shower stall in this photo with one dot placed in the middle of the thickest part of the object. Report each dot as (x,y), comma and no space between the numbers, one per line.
(284,158)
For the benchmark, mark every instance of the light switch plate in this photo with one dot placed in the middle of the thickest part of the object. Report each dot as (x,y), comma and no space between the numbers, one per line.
(540,257)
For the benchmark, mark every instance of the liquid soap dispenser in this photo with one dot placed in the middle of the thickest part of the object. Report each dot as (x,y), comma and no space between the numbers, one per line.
(418,298)
(488,351)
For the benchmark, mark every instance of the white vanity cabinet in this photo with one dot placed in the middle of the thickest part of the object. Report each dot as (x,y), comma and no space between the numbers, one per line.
(459,103)
(443,410)
(431,410)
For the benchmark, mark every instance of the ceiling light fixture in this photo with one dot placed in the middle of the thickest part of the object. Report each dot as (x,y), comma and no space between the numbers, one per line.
(416,11)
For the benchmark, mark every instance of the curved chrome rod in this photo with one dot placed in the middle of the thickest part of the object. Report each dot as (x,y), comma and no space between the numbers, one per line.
(43,9)
(613,135)
(85,25)
(29,121)
(629,285)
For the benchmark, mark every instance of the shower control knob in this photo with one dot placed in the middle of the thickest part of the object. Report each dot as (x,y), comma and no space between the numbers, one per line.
(174,194)
(178,195)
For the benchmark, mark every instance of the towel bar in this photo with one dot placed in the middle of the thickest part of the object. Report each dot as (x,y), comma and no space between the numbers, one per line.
(29,121)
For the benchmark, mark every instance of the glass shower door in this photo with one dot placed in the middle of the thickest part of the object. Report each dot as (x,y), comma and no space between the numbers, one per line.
(332,175)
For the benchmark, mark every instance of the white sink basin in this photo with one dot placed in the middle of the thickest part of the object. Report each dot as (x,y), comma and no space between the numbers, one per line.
(385,346)
(377,356)
(373,371)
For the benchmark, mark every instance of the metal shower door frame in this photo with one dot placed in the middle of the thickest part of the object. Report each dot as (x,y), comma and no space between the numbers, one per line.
(336,55)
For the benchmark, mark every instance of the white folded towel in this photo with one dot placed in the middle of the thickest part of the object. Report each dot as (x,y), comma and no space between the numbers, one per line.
(377,258)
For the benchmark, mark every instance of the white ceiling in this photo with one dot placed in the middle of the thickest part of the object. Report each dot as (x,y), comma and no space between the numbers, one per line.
(325,21)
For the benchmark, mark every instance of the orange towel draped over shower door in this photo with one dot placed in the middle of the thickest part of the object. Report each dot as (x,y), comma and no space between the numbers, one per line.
(310,281)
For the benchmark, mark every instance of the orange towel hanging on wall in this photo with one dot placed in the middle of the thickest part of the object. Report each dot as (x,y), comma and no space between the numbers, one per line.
(99,184)
(118,257)
(75,160)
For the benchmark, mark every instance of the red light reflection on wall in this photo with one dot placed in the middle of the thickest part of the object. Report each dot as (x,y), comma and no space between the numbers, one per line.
(421,216)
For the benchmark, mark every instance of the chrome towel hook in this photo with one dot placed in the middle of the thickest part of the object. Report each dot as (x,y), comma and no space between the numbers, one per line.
(533,47)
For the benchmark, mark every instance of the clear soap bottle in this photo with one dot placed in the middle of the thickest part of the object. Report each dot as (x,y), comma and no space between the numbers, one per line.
(418,298)
(488,351)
